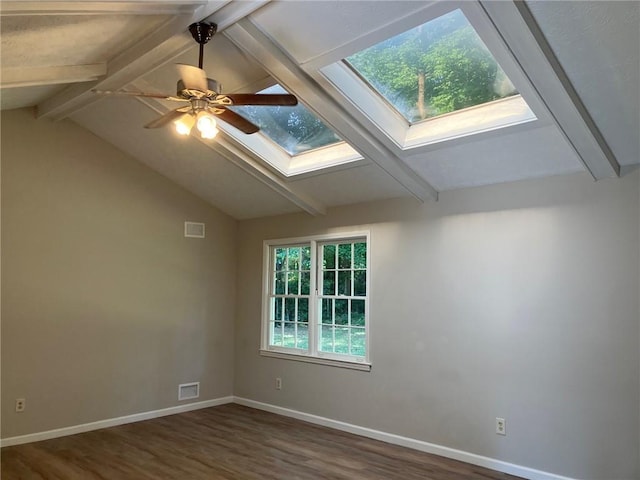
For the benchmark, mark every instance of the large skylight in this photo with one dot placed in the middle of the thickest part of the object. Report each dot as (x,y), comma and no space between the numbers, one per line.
(436,68)
(295,129)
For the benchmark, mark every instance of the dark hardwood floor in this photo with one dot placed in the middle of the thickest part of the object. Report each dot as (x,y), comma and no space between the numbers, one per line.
(226,442)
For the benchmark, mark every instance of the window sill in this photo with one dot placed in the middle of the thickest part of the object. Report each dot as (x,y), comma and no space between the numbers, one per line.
(362,366)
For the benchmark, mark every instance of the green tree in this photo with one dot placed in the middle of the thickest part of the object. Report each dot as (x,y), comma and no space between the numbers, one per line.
(433,69)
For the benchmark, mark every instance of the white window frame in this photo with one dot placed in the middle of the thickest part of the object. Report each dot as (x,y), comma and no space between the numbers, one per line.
(313,355)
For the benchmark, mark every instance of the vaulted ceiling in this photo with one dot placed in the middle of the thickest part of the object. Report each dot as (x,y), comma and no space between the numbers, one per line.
(576,63)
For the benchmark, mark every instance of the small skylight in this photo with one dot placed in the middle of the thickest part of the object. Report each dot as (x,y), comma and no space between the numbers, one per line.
(436,68)
(295,129)
(292,139)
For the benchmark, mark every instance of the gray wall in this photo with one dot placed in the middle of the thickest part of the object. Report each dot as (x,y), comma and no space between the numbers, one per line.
(516,300)
(106,307)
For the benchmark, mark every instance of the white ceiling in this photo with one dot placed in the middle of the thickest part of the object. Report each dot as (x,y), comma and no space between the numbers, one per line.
(584,89)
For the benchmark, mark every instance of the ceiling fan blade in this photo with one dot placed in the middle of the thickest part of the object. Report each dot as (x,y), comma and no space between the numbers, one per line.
(139,94)
(238,121)
(283,99)
(166,118)
(194,78)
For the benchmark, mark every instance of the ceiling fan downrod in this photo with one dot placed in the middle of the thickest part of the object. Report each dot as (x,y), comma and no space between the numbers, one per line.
(202,33)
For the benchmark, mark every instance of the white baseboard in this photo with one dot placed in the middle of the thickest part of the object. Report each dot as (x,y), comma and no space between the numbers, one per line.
(491,463)
(112,422)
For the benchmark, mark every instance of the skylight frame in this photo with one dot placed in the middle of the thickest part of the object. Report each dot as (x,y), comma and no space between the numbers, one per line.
(347,85)
(317,159)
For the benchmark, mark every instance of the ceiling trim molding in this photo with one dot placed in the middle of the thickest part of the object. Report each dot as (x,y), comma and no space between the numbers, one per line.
(281,67)
(109,7)
(12,77)
(162,45)
(227,147)
(521,33)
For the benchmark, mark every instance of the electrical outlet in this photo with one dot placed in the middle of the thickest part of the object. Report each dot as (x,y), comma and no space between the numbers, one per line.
(21,404)
(278,383)
(501,426)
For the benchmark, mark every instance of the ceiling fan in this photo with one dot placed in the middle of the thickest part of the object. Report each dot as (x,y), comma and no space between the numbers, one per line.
(204,98)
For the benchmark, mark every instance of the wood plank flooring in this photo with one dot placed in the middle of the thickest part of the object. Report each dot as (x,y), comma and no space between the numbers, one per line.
(229,442)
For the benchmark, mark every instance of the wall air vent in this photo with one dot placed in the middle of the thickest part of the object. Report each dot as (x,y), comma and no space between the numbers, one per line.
(194,229)
(187,391)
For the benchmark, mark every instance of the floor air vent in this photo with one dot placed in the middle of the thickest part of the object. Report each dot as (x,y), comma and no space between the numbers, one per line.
(187,391)
(193,229)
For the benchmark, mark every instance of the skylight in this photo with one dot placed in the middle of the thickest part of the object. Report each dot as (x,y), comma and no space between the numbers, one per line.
(295,129)
(442,75)
(292,139)
(436,68)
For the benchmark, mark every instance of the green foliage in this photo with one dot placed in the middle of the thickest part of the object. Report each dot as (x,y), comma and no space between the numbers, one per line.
(433,69)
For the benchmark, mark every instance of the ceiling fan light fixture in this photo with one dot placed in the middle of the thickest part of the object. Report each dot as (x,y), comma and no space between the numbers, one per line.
(184,124)
(206,124)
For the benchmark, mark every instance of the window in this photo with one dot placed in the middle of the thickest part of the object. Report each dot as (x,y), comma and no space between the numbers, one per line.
(439,76)
(292,140)
(295,129)
(436,68)
(316,304)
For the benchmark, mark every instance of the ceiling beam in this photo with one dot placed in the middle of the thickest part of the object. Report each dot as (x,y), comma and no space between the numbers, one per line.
(138,7)
(234,152)
(289,74)
(520,31)
(161,46)
(12,77)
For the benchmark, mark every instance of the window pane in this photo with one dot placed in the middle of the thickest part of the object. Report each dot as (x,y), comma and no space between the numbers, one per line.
(433,69)
(342,312)
(278,308)
(358,341)
(360,255)
(329,257)
(295,129)
(327,310)
(329,283)
(341,342)
(360,283)
(326,338)
(280,283)
(294,258)
(357,313)
(302,340)
(289,337)
(344,283)
(289,309)
(275,334)
(292,283)
(303,309)
(305,283)
(280,258)
(305,262)
(344,256)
